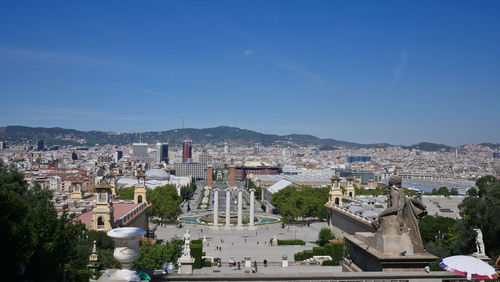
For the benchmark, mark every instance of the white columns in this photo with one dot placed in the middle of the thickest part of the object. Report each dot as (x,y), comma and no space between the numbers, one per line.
(228,210)
(240,210)
(216,209)
(251,225)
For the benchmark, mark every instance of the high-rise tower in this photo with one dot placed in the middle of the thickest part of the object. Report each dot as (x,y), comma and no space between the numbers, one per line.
(186,151)
(161,153)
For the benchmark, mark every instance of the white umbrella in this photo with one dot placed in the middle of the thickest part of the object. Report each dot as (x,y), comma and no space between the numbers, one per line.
(468,266)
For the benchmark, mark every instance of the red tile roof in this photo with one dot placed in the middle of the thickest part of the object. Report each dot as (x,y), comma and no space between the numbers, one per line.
(119,210)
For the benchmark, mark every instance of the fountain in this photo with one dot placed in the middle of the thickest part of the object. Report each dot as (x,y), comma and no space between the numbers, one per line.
(126,251)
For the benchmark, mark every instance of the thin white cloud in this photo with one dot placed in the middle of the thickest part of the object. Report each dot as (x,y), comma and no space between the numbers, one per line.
(54,113)
(56,58)
(152,92)
(301,72)
(398,70)
(249,52)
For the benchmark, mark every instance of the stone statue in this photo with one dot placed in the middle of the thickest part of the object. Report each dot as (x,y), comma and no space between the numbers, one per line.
(479,243)
(408,212)
(187,240)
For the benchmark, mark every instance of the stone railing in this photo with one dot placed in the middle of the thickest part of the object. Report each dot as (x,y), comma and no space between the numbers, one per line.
(353,214)
(131,213)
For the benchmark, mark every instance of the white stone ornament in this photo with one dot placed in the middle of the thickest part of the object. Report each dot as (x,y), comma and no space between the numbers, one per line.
(126,251)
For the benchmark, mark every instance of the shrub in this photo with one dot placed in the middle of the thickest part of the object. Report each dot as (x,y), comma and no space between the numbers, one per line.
(207,263)
(335,250)
(298,256)
(319,251)
(307,254)
(196,250)
(291,242)
(199,241)
(328,263)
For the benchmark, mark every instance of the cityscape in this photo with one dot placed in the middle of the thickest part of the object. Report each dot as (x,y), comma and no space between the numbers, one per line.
(250,141)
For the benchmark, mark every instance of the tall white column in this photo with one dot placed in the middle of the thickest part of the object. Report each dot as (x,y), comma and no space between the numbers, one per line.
(240,210)
(251,225)
(216,209)
(228,209)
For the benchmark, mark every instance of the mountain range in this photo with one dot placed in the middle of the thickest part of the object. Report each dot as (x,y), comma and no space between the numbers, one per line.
(231,135)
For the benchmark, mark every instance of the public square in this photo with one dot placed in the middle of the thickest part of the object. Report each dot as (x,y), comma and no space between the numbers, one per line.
(238,244)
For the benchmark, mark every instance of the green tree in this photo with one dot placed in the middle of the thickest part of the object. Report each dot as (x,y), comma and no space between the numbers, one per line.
(165,202)
(37,243)
(482,212)
(126,193)
(324,235)
(294,202)
(154,255)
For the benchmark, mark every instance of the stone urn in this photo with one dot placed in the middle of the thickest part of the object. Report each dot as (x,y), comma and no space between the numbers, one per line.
(126,250)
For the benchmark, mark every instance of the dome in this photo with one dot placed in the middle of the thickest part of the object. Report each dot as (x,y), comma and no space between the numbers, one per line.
(156,173)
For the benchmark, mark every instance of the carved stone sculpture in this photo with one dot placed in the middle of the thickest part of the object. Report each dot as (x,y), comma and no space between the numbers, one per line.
(402,212)
(479,243)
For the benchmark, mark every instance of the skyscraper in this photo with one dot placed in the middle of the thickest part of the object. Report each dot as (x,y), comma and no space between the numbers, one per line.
(40,145)
(118,156)
(161,153)
(140,150)
(186,151)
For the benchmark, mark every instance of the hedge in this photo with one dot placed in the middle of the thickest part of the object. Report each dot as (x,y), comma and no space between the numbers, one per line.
(207,263)
(335,250)
(199,241)
(328,263)
(320,251)
(196,250)
(290,242)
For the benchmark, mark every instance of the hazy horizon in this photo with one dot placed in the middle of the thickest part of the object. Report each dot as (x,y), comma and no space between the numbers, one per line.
(226,125)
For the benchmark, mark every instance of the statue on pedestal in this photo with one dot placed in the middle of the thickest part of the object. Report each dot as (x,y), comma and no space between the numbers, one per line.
(408,212)
(187,240)
(396,243)
(479,243)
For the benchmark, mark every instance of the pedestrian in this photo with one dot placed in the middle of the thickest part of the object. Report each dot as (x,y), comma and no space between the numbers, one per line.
(164,268)
(232,242)
(245,240)
(257,242)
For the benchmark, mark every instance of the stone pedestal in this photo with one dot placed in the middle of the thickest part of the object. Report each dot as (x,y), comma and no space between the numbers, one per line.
(274,242)
(228,210)
(284,261)
(186,265)
(365,257)
(251,224)
(240,210)
(204,241)
(248,262)
(482,257)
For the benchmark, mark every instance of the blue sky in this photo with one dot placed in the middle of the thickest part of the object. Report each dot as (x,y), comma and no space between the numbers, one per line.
(364,71)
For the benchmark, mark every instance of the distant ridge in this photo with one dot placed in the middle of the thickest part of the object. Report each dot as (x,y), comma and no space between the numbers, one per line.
(231,135)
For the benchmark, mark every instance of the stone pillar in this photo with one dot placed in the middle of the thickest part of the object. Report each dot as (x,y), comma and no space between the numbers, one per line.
(228,209)
(240,210)
(216,209)
(209,175)
(251,225)
(231,176)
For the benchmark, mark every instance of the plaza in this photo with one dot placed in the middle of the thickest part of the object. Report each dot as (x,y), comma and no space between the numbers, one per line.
(238,244)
